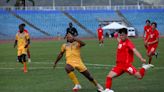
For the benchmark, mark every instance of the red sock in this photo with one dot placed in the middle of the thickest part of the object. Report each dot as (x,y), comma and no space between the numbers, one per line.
(28,53)
(150,58)
(142,72)
(108,82)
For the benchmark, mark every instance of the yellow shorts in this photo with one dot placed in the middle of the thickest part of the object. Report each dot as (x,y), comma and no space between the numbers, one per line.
(22,51)
(79,65)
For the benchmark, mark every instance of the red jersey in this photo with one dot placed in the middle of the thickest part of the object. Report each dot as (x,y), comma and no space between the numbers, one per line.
(153,36)
(125,52)
(100,31)
(147,30)
(24,31)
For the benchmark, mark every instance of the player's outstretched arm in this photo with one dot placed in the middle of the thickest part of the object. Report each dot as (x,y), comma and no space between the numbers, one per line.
(139,55)
(15,43)
(60,55)
(79,41)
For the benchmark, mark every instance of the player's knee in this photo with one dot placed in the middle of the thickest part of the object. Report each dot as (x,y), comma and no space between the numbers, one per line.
(68,69)
(20,59)
(24,57)
(111,74)
(138,75)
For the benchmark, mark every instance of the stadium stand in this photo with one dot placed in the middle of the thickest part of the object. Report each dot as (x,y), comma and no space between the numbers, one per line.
(138,17)
(55,21)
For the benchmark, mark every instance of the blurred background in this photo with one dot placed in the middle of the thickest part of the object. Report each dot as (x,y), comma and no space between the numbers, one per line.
(50,18)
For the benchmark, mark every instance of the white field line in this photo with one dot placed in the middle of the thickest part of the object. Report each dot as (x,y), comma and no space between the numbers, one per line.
(93,66)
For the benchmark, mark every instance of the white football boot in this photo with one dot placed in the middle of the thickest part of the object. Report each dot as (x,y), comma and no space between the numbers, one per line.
(151,65)
(76,87)
(108,90)
(146,66)
(29,60)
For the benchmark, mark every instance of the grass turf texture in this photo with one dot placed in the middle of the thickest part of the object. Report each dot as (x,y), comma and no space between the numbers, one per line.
(43,78)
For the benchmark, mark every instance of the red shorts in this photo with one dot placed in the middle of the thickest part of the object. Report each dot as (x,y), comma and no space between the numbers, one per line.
(120,69)
(100,38)
(152,49)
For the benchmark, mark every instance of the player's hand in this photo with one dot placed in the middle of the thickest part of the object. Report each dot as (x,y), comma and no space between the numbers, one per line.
(143,60)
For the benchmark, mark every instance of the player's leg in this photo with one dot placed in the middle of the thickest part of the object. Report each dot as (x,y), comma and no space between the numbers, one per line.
(140,74)
(28,55)
(24,63)
(116,71)
(91,79)
(150,54)
(20,59)
(102,40)
(69,69)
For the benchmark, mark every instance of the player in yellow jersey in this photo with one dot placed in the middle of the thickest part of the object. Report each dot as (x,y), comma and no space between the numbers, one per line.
(74,61)
(22,41)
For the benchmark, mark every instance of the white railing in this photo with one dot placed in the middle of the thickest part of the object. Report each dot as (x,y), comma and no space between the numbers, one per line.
(128,7)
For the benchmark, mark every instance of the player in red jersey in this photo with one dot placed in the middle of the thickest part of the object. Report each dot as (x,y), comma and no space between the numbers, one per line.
(124,59)
(147,30)
(28,48)
(152,42)
(100,35)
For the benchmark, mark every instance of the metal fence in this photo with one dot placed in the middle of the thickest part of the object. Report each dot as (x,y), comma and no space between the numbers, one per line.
(84,2)
(118,7)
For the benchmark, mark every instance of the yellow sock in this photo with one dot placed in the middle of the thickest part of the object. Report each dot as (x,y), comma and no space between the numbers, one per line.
(73,78)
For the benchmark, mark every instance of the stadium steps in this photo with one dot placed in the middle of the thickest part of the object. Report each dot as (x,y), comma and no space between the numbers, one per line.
(27,22)
(78,23)
(123,18)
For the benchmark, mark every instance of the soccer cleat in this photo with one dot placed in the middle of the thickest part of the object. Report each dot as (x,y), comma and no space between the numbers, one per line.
(108,90)
(76,87)
(156,54)
(151,65)
(29,60)
(146,66)
(25,71)
(99,88)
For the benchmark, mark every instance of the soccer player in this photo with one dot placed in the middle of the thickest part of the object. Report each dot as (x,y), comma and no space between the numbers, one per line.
(152,42)
(74,61)
(147,30)
(124,59)
(22,41)
(28,48)
(100,35)
(72,30)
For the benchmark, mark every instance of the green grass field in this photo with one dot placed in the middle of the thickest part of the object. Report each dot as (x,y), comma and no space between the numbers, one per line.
(41,77)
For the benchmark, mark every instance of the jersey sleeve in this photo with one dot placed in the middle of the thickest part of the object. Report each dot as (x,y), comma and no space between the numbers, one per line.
(27,36)
(63,48)
(78,44)
(131,45)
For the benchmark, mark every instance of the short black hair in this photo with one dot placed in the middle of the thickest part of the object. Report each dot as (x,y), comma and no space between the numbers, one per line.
(70,23)
(22,25)
(154,24)
(122,30)
(147,20)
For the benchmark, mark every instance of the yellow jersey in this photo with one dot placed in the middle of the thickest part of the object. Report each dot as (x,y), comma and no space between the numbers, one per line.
(22,39)
(72,52)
